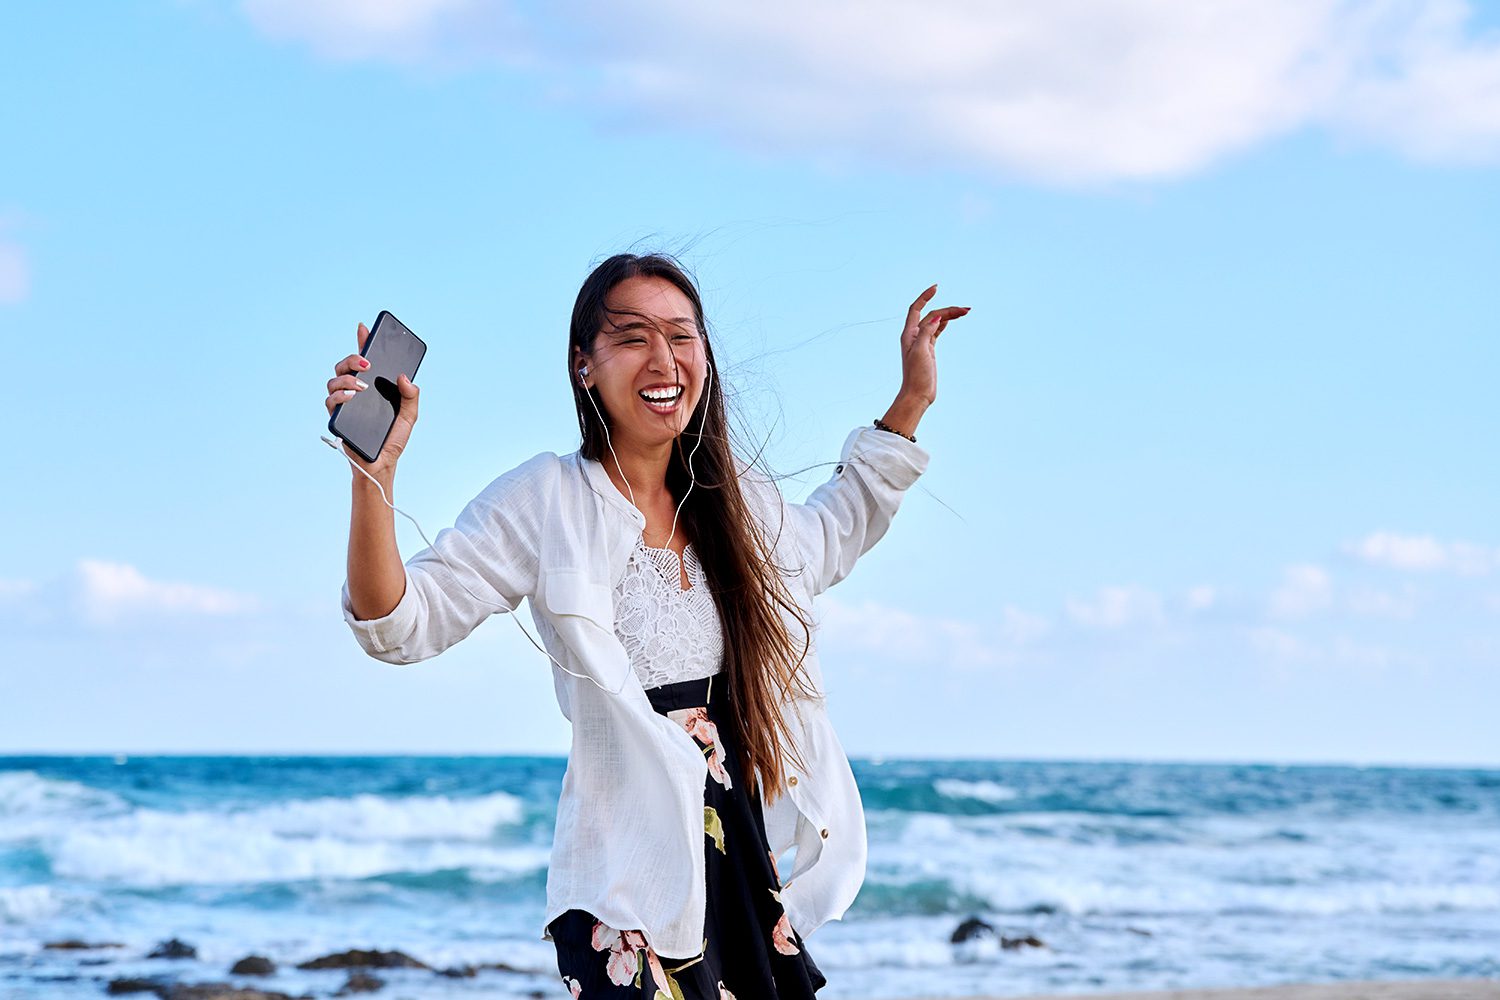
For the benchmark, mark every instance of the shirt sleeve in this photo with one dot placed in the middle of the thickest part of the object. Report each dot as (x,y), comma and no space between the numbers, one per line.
(843,518)
(491,551)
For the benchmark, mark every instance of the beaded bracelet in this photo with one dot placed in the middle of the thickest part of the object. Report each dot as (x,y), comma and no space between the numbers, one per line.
(882,425)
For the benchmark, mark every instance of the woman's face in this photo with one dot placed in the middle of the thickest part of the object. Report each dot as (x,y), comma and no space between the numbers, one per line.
(649,347)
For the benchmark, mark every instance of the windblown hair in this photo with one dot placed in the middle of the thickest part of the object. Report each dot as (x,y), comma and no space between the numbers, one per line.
(763,660)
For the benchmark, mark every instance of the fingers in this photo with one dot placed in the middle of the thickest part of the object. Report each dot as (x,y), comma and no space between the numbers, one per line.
(362,335)
(936,320)
(341,390)
(916,307)
(351,382)
(352,363)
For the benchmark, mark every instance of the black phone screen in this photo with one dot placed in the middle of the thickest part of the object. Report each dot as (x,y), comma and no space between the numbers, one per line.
(365,420)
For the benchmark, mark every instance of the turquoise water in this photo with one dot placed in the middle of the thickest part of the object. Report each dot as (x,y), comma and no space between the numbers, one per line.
(1135,876)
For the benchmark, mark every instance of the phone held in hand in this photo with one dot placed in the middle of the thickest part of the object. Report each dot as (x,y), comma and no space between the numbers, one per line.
(365,420)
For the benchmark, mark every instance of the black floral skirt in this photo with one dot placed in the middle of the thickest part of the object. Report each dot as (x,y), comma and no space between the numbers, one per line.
(751,951)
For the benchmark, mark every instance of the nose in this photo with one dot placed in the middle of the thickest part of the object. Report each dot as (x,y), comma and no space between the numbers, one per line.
(663,361)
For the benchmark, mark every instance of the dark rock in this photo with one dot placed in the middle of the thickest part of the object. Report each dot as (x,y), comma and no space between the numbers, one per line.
(222,991)
(970,929)
(501,966)
(253,965)
(174,949)
(360,982)
(1030,940)
(133,986)
(75,943)
(357,958)
(459,972)
(1138,930)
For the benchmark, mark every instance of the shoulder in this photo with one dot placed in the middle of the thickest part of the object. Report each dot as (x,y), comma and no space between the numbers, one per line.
(537,477)
(761,492)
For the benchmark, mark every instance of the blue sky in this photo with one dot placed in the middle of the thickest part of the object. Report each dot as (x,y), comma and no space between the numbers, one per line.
(1212,468)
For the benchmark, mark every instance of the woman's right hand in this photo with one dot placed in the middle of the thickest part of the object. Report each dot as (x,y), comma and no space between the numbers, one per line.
(343,387)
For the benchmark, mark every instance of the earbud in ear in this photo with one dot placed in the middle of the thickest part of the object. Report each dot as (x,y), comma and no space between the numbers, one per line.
(583,373)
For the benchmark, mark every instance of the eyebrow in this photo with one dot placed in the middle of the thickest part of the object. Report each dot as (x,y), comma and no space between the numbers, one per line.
(678,320)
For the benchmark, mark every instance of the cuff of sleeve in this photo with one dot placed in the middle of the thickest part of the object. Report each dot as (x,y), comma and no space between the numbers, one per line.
(378,635)
(898,460)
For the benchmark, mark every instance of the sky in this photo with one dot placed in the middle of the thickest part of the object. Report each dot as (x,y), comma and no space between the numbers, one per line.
(1212,467)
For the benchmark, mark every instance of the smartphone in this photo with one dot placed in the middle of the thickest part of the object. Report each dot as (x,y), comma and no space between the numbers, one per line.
(365,420)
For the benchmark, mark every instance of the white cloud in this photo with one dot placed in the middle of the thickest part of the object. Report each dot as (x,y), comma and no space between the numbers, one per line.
(15,274)
(111,592)
(1278,643)
(1117,607)
(1020,628)
(1058,90)
(1437,94)
(15,588)
(1423,553)
(97,593)
(1304,590)
(408,32)
(903,636)
(1372,603)
(1362,654)
(1201,597)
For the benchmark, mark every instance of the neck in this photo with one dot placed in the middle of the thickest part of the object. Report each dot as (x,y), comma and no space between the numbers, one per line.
(644,466)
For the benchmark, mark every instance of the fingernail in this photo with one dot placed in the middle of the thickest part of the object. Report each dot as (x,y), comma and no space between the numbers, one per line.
(360,384)
(347,392)
(363,363)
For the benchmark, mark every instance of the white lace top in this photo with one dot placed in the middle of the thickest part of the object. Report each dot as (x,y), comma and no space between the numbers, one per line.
(671,634)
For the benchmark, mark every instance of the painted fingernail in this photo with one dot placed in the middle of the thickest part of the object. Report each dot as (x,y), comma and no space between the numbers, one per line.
(347,392)
(363,363)
(360,384)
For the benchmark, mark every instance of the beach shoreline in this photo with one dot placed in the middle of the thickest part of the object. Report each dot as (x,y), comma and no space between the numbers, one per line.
(1403,989)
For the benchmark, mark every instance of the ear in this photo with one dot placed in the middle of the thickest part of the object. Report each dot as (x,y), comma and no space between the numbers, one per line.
(579,360)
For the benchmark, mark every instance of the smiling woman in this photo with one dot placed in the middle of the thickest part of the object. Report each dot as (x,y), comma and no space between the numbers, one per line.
(676,586)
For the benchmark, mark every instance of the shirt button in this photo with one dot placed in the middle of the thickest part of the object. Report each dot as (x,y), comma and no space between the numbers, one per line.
(839,469)
(792,780)
(824,832)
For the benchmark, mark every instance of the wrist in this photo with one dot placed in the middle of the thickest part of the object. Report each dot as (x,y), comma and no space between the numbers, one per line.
(904,415)
(387,481)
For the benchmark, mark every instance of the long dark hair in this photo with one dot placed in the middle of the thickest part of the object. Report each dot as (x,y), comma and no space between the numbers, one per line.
(763,661)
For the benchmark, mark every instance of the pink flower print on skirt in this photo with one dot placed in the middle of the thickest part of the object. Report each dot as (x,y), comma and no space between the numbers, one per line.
(781,937)
(700,728)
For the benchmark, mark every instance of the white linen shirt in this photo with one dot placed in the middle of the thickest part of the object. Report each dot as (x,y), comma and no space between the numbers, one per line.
(628,845)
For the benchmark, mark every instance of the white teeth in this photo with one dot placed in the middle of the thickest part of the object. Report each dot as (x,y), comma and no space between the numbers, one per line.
(661,395)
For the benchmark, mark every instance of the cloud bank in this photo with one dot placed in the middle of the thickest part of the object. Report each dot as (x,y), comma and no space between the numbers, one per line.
(1312,615)
(1060,92)
(15,275)
(100,594)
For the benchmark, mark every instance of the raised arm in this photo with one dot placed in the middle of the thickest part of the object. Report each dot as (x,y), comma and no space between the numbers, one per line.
(841,519)
(844,517)
(493,551)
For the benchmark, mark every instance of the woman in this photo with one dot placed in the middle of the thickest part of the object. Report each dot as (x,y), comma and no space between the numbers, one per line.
(671,587)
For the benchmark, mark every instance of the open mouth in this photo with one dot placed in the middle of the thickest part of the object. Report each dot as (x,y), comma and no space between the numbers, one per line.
(662,399)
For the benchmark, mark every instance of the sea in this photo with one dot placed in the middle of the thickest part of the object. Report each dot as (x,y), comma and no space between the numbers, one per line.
(1068,876)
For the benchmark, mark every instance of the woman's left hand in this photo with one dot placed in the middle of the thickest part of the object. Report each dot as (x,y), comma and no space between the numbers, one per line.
(918,359)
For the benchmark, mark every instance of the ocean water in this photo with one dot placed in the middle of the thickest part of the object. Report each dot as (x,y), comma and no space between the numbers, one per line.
(1133,876)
